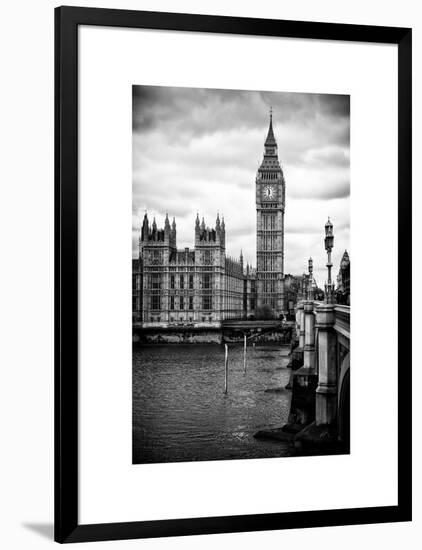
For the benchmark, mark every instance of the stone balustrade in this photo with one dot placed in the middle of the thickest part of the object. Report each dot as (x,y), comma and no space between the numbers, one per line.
(326,392)
(318,385)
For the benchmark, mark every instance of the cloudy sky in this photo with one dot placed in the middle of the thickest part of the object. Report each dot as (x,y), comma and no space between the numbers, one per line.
(198,150)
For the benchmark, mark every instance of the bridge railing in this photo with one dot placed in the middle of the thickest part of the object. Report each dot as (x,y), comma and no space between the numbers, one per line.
(342,320)
(320,329)
(333,326)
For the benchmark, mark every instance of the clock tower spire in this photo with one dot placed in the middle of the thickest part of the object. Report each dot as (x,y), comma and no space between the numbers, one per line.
(270,204)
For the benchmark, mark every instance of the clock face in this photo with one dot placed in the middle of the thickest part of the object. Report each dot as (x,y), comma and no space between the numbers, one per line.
(268,192)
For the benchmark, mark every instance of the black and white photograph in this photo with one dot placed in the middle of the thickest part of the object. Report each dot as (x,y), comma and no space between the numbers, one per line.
(240,274)
(196,195)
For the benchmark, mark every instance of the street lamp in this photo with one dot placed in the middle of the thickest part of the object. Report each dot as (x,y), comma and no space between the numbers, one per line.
(310,270)
(329,244)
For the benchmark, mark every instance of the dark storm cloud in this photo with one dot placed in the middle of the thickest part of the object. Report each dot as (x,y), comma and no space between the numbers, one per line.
(197,111)
(197,150)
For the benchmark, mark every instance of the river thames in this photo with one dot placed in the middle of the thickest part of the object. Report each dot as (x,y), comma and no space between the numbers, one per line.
(180,410)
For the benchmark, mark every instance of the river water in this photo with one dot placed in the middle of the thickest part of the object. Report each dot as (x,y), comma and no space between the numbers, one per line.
(180,411)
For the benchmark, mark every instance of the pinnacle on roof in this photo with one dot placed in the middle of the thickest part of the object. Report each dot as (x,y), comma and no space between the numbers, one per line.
(217,221)
(270,141)
(345,256)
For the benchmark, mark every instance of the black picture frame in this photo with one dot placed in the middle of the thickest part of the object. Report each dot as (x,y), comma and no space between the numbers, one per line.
(67,21)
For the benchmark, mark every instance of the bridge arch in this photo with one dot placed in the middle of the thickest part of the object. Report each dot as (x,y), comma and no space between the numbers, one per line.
(344,401)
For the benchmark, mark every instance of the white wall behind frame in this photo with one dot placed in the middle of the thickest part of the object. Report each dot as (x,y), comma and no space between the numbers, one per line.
(111,60)
(27,209)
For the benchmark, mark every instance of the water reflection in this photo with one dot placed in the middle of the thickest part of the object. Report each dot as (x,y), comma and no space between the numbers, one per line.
(180,411)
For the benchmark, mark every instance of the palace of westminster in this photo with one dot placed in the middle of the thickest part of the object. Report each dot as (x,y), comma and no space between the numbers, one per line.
(204,286)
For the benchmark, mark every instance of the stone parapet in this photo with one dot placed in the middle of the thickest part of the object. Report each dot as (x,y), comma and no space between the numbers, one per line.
(309,344)
(326,392)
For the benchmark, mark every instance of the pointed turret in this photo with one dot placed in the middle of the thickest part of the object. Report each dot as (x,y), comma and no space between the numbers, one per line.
(223,232)
(154,229)
(345,260)
(217,222)
(172,233)
(197,229)
(270,141)
(203,224)
(166,227)
(145,228)
(270,168)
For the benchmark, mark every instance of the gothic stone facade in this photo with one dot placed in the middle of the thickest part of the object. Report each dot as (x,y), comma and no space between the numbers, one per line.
(199,286)
(203,286)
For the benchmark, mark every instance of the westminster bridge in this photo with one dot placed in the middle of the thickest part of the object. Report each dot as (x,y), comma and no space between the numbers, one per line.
(320,378)
(321,375)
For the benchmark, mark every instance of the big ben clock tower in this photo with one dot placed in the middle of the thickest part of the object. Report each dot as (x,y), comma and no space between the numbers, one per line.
(270,202)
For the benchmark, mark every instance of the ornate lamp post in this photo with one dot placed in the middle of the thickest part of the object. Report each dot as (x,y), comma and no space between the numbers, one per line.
(329,244)
(309,331)
(310,270)
(326,392)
